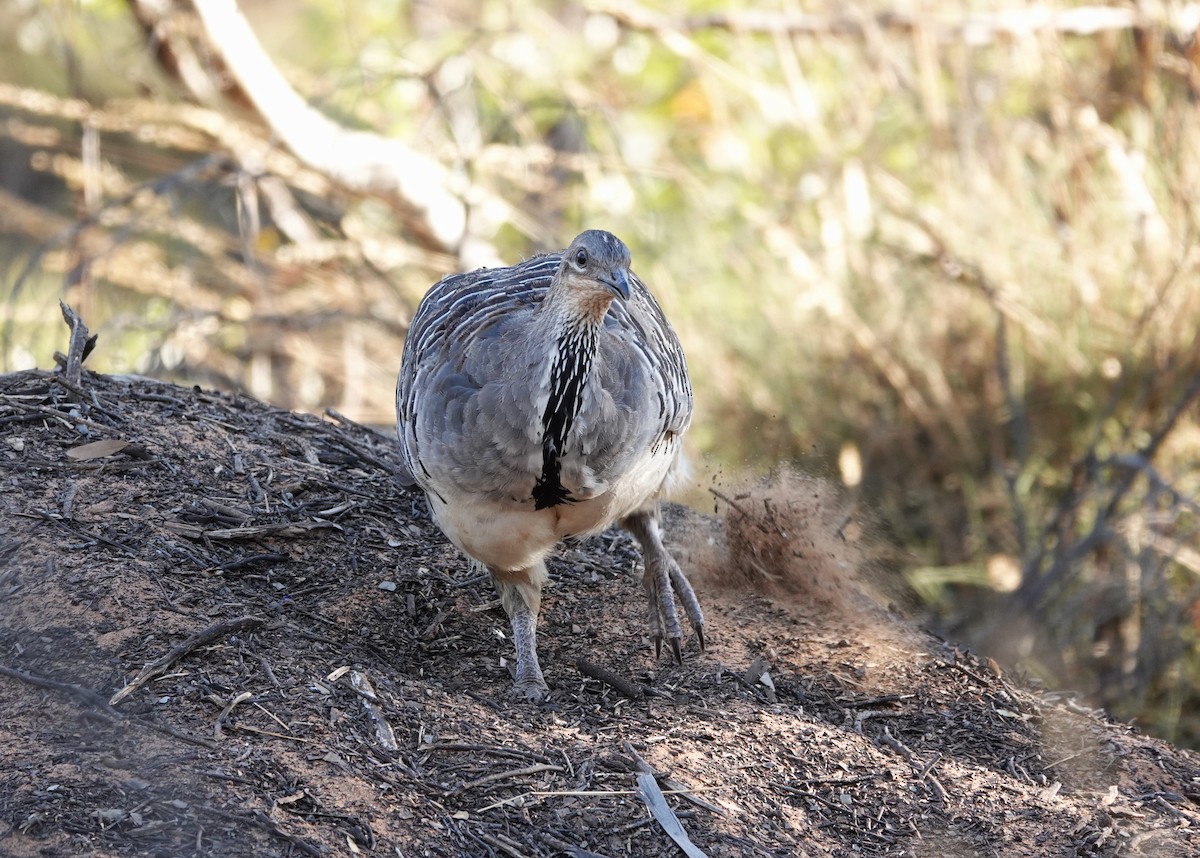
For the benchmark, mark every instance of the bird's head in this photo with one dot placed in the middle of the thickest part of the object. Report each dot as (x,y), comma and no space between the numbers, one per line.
(596,267)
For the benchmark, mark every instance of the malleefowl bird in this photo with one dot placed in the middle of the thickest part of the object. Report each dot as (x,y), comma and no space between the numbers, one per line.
(542,401)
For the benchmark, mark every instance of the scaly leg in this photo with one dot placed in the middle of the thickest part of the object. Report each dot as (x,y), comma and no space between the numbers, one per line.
(521,595)
(662,581)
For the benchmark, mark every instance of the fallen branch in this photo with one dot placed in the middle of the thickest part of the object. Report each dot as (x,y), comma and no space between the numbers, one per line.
(358,160)
(159,666)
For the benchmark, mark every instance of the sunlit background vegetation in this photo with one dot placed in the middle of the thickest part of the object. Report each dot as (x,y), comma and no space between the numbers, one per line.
(943,252)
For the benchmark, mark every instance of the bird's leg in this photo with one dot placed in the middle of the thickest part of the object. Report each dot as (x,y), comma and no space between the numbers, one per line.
(691,605)
(662,581)
(521,595)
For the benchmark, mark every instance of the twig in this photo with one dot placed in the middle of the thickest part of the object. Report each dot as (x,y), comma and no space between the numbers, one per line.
(977,27)
(873,701)
(80,347)
(672,785)
(159,666)
(178,734)
(734,505)
(267,823)
(939,791)
(503,845)
(924,773)
(499,776)
(564,846)
(896,745)
(486,749)
(630,689)
(250,559)
(639,761)
(285,529)
(79,531)
(680,790)
(241,698)
(84,695)
(928,767)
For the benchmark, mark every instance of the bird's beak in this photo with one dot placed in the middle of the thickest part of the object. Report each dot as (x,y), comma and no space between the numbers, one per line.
(619,283)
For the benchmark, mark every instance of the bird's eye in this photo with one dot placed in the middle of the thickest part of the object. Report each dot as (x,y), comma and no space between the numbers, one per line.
(581,258)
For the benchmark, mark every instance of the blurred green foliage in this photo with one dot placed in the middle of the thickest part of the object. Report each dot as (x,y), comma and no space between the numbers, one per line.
(960,260)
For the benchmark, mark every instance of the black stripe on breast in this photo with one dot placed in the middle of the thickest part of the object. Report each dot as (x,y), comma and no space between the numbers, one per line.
(576,350)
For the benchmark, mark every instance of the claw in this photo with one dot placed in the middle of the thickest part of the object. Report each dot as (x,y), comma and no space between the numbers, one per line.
(663,581)
(529,690)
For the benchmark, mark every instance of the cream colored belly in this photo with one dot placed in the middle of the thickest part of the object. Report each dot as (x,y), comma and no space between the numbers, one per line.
(510,539)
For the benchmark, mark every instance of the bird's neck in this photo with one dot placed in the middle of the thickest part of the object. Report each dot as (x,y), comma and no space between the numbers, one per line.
(570,302)
(571,363)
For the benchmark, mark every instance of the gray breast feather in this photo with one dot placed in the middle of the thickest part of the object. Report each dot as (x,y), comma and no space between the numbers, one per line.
(468,402)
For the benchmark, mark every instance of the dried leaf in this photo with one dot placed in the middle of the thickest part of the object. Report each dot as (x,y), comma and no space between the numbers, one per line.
(96,450)
(656,803)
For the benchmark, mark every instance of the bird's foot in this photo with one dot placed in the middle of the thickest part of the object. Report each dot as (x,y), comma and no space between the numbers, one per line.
(530,689)
(529,684)
(664,581)
(691,604)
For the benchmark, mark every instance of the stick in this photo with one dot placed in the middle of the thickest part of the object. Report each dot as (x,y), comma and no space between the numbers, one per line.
(485,749)
(159,666)
(503,845)
(85,695)
(564,846)
(241,698)
(499,776)
(630,689)
(674,786)
(80,347)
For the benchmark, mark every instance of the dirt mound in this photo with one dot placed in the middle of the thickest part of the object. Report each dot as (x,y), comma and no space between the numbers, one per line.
(305,667)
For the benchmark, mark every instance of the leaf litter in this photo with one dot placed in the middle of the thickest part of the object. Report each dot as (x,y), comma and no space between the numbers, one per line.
(199,657)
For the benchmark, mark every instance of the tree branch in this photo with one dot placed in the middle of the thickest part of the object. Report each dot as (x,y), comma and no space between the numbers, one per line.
(359,161)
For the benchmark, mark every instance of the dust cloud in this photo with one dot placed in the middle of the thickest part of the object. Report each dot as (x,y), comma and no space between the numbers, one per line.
(802,542)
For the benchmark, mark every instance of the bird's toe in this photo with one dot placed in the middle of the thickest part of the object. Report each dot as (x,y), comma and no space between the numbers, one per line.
(530,690)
